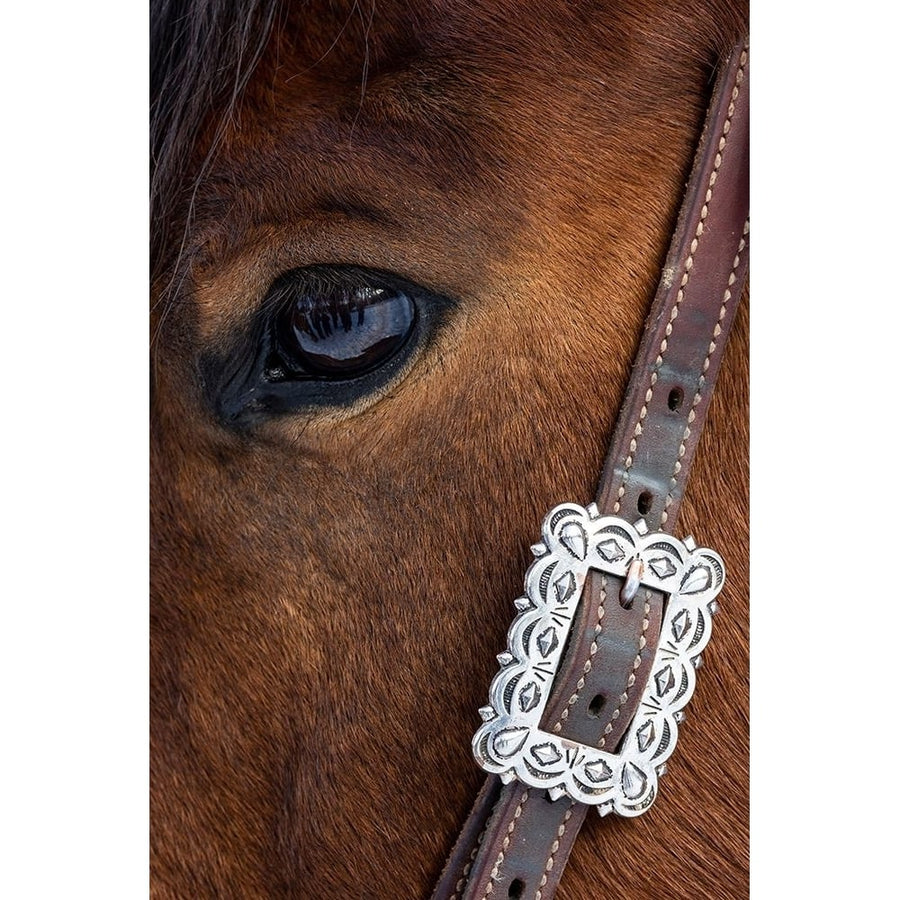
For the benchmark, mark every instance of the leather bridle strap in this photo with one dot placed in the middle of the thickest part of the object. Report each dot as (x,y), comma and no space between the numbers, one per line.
(516,841)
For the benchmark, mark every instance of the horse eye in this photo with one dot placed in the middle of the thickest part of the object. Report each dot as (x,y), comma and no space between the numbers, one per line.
(323,336)
(339,331)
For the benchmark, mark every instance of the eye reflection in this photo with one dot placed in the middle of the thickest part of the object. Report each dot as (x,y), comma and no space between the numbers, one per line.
(324,335)
(344,330)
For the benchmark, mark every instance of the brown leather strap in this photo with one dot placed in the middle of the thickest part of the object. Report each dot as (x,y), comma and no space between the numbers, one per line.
(516,841)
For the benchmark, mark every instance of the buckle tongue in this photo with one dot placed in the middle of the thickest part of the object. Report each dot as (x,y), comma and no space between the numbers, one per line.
(511,743)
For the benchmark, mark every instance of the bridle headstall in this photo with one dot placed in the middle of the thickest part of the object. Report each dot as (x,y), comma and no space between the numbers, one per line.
(603,654)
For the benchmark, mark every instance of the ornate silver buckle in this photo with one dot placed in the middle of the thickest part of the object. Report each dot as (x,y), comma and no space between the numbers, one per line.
(511,743)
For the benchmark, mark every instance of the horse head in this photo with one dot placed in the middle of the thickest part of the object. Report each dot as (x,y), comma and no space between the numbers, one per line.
(402,258)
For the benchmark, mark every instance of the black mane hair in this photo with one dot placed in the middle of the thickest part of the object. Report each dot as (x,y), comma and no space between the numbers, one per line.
(202,53)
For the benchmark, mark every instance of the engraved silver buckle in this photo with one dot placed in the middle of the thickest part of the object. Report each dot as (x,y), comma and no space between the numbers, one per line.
(511,743)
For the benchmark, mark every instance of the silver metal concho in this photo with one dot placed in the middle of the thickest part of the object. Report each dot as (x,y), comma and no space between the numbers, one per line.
(511,744)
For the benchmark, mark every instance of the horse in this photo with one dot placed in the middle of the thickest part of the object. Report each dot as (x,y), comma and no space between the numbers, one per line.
(401,258)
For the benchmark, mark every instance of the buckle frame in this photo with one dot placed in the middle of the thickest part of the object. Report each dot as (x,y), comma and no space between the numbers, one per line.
(511,743)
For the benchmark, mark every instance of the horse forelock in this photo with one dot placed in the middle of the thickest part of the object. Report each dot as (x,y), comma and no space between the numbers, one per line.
(203,53)
(330,588)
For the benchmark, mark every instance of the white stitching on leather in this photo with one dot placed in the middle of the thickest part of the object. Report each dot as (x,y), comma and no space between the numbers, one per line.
(468,866)
(689,264)
(548,867)
(698,396)
(623,698)
(588,665)
(500,856)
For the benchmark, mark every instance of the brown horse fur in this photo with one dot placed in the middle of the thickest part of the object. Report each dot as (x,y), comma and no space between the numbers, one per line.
(330,586)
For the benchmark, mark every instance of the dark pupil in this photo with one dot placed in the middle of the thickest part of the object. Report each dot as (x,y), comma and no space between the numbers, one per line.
(347,333)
